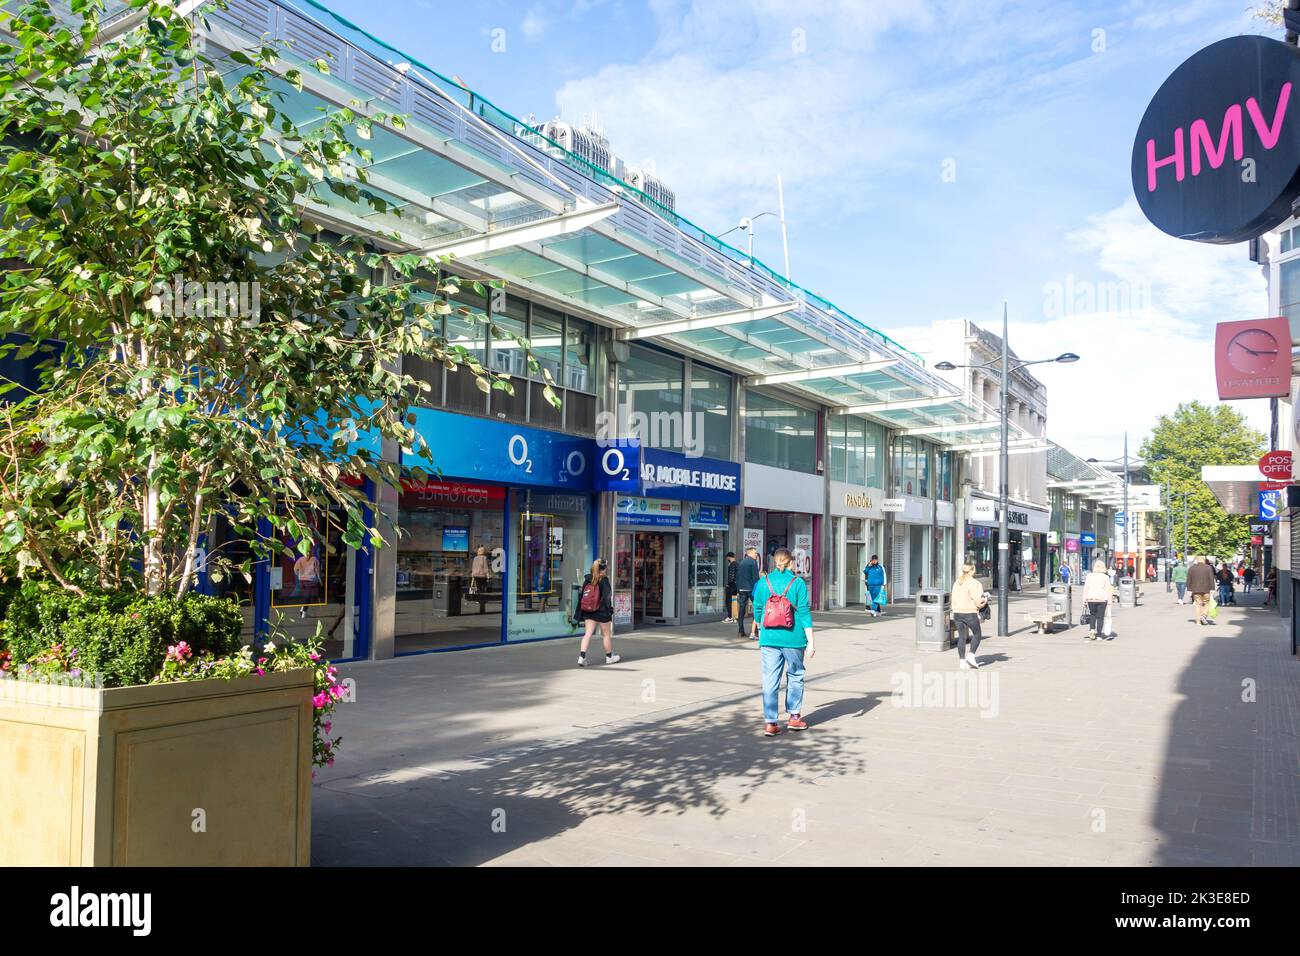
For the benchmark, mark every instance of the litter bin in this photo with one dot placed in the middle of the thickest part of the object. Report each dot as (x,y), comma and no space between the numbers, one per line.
(933,619)
(1128,594)
(1060,599)
(447,595)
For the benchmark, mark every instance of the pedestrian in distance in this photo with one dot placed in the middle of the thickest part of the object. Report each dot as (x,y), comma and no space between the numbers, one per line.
(1270,583)
(1225,584)
(729,588)
(746,580)
(1065,573)
(1200,581)
(877,582)
(1248,578)
(968,598)
(596,610)
(783,626)
(1097,592)
(1180,580)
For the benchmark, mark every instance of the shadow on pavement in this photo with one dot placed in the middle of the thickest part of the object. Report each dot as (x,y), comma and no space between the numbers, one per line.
(1228,785)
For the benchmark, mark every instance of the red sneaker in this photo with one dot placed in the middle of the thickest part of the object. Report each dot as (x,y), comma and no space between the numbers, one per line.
(771,730)
(795,723)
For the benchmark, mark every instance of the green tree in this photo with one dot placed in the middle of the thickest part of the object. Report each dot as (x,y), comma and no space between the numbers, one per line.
(1195,435)
(138,169)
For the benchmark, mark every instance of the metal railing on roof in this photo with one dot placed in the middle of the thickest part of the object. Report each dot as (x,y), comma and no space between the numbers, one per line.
(485,109)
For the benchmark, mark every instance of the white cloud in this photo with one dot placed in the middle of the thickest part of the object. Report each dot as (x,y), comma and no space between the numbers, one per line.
(533,26)
(1143,324)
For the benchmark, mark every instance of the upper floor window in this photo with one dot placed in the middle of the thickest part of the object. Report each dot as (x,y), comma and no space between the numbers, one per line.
(780,434)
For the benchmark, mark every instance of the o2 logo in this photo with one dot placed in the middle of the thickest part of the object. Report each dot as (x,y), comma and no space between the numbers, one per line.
(517,449)
(614,464)
(575,465)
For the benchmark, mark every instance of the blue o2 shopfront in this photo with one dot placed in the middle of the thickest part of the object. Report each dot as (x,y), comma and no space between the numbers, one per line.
(491,548)
(672,524)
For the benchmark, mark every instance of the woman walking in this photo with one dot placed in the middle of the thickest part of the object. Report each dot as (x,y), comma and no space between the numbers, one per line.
(783,623)
(596,609)
(967,599)
(478,577)
(1097,591)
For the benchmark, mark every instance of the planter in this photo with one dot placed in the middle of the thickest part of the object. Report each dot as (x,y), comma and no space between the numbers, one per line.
(199,773)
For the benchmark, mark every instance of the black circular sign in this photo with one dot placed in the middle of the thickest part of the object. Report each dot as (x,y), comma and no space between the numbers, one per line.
(1217,154)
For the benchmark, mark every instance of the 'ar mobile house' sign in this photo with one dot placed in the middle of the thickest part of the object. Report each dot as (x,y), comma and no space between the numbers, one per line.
(1217,154)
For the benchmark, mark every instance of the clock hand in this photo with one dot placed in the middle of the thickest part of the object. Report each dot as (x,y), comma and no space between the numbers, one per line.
(1257,351)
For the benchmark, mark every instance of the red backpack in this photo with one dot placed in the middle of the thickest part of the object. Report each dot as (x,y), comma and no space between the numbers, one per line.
(778,611)
(590,600)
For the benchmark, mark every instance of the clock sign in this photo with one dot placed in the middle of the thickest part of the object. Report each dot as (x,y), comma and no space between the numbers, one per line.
(1253,358)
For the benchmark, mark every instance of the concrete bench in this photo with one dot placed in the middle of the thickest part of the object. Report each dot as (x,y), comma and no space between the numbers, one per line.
(1046,620)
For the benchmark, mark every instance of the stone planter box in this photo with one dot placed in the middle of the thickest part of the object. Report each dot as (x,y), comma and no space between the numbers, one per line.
(204,773)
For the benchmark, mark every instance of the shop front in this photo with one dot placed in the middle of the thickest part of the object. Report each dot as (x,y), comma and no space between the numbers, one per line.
(1030,552)
(670,540)
(908,563)
(783,509)
(494,548)
(857,529)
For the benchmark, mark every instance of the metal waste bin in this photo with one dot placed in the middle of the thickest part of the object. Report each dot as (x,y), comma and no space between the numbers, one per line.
(1060,598)
(933,619)
(447,595)
(1128,592)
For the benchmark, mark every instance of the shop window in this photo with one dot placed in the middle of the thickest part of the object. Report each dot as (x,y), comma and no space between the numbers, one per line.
(835,429)
(313,581)
(855,454)
(780,434)
(467,331)
(450,565)
(551,554)
(579,355)
(546,338)
(650,398)
(711,411)
(873,464)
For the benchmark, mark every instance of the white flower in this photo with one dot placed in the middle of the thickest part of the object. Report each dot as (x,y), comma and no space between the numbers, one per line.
(270,648)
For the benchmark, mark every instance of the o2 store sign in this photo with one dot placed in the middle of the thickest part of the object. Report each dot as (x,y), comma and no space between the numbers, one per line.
(1217,153)
(467,447)
(665,474)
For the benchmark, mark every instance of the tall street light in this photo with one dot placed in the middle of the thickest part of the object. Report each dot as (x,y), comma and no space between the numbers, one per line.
(1128,518)
(1004,540)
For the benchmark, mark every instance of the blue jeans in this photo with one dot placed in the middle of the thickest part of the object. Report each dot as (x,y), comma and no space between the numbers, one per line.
(775,661)
(1225,593)
(1182,589)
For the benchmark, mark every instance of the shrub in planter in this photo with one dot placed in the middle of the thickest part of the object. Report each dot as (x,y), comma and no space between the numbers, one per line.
(122,637)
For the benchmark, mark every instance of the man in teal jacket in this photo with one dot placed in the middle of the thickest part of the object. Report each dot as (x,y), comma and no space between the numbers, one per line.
(783,648)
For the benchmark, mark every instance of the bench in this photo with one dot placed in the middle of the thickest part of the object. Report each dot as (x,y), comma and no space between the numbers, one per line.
(1046,620)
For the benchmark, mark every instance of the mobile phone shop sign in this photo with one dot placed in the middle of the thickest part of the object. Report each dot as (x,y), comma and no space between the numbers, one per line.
(1217,152)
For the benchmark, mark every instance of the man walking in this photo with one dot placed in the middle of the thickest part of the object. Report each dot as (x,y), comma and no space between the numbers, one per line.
(1200,581)
(746,578)
(877,583)
(729,588)
(1180,580)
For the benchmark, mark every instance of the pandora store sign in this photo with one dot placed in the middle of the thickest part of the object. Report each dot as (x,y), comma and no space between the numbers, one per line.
(1218,150)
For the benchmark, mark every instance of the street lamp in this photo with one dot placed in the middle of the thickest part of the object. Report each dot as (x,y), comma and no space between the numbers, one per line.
(1128,518)
(747,225)
(1004,540)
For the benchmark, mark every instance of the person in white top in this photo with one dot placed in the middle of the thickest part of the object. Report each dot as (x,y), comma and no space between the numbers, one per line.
(1097,591)
(967,599)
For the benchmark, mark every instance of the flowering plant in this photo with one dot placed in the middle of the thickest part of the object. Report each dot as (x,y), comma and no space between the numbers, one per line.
(182,664)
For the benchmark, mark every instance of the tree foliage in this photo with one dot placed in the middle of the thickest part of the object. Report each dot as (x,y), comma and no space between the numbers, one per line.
(220,356)
(1195,435)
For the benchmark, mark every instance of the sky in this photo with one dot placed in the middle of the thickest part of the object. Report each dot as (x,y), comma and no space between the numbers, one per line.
(938,160)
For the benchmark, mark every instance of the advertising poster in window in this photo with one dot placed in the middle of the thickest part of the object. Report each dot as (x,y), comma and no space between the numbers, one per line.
(802,553)
(304,573)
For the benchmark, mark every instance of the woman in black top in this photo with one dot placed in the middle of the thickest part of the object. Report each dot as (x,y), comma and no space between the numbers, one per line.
(602,616)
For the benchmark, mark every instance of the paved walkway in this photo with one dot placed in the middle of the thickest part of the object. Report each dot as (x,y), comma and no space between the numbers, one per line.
(1171,744)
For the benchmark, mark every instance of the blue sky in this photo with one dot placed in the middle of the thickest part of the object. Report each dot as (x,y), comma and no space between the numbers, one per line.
(937,159)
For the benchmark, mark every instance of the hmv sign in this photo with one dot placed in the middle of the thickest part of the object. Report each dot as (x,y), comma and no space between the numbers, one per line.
(1217,154)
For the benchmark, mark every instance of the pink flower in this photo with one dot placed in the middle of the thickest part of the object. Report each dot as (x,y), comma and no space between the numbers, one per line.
(314,656)
(327,725)
(330,762)
(319,700)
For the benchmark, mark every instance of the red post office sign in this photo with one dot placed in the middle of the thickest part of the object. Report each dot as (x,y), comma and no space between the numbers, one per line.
(1276,466)
(1252,358)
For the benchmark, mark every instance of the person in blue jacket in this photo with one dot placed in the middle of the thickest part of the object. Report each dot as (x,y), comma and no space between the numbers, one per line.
(746,580)
(877,584)
(783,648)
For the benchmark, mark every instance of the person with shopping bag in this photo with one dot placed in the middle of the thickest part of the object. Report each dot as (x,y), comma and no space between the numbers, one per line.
(877,583)
(1097,593)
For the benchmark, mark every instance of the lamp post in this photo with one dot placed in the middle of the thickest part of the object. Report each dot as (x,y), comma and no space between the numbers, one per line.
(1004,540)
(746,225)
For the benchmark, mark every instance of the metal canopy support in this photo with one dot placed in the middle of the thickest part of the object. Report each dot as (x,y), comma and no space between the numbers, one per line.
(605,277)
(898,406)
(706,321)
(497,239)
(962,427)
(824,371)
